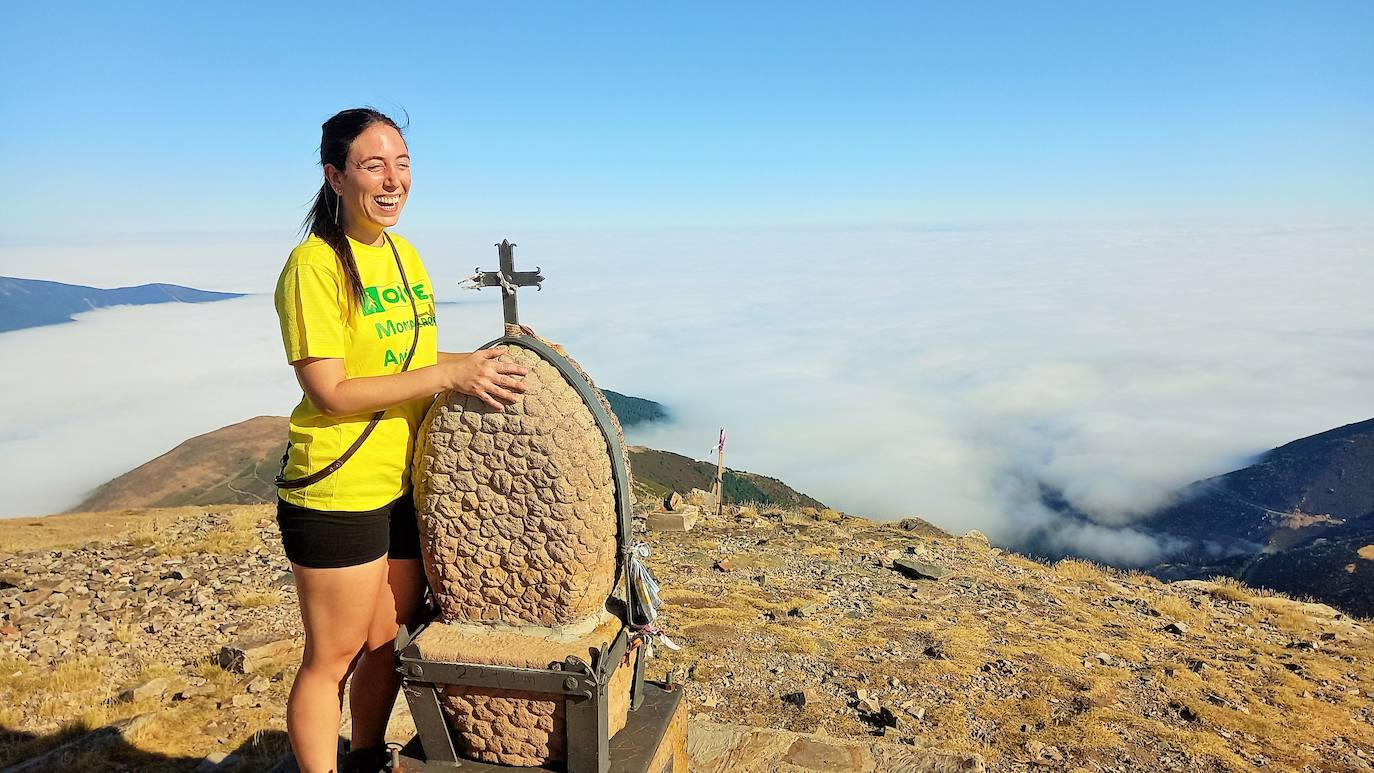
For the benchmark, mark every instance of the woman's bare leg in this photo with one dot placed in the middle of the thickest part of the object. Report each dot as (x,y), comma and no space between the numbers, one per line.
(375,681)
(337,607)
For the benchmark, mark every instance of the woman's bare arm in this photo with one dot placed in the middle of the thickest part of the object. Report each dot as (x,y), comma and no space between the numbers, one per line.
(475,373)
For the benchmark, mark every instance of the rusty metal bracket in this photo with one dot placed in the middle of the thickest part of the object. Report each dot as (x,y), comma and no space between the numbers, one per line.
(583,685)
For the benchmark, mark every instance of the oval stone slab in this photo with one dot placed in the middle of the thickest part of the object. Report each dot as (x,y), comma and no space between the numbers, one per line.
(517,508)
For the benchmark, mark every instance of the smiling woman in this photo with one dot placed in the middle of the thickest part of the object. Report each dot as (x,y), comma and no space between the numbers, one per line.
(357,320)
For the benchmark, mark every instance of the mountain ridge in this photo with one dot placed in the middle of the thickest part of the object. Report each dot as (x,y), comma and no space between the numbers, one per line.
(237,464)
(1295,520)
(29,303)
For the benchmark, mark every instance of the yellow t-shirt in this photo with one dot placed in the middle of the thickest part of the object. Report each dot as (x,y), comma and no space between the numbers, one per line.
(318,319)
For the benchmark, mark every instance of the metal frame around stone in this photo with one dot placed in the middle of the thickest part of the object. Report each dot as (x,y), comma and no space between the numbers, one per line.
(583,686)
(630,751)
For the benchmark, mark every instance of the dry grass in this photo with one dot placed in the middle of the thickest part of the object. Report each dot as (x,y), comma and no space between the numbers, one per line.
(1081,571)
(1175,608)
(237,536)
(69,530)
(1021,562)
(796,639)
(250,599)
(1017,642)
(125,632)
(1231,589)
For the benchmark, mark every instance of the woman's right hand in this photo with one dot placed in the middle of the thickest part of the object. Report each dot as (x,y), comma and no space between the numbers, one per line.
(485,377)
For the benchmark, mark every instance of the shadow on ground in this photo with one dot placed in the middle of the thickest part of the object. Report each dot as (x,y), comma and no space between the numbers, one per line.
(107,750)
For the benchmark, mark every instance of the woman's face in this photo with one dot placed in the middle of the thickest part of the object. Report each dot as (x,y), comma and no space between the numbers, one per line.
(376,179)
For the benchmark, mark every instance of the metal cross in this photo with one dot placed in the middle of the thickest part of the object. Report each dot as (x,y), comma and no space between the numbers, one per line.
(508,279)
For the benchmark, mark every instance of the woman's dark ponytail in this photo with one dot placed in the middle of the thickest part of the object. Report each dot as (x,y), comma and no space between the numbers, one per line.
(325,218)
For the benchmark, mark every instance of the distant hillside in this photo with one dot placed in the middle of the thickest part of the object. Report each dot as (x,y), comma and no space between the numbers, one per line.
(232,465)
(1336,567)
(1296,521)
(658,472)
(26,303)
(630,411)
(1289,495)
(237,464)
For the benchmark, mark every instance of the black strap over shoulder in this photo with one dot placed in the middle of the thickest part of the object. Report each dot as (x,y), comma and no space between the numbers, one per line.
(321,474)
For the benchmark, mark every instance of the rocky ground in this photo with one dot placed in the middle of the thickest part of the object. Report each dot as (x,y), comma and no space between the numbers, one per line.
(885,646)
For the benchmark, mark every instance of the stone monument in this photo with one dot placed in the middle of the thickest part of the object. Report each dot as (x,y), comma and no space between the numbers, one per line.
(522,544)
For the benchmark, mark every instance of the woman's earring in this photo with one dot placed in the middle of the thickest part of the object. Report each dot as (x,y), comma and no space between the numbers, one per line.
(337,204)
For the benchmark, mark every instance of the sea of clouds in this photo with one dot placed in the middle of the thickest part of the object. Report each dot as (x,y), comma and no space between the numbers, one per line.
(954,373)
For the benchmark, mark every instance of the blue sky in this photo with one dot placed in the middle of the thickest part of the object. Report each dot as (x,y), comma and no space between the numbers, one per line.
(1085,221)
(146,119)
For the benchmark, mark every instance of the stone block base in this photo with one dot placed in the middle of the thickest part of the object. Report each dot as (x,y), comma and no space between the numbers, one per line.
(512,727)
(679,521)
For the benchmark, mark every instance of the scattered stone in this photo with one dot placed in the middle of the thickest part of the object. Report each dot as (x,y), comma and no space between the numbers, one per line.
(260,684)
(919,570)
(194,691)
(217,761)
(35,596)
(713,746)
(1000,666)
(1175,627)
(829,516)
(683,520)
(149,689)
(61,757)
(246,656)
(672,502)
(725,565)
(1040,751)
(798,698)
(867,706)
(703,499)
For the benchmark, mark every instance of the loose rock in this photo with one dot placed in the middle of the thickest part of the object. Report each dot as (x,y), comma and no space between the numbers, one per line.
(919,570)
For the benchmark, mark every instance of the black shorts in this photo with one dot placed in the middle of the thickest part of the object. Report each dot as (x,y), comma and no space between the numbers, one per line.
(328,539)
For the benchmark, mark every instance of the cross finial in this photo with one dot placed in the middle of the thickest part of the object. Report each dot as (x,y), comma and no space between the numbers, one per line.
(508,279)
